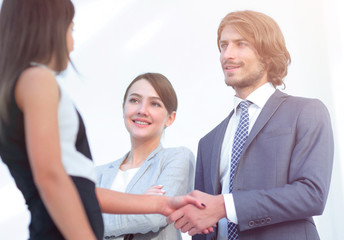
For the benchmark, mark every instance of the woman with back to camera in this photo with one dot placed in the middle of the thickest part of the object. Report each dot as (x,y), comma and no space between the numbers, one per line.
(149,106)
(42,137)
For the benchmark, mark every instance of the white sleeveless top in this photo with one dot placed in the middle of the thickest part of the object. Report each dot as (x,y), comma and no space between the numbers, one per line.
(74,161)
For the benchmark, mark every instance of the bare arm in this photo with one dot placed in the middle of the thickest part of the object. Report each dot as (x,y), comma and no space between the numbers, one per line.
(124,203)
(37,95)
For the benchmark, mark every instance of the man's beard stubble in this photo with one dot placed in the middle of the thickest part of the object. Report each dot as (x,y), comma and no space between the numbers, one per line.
(248,80)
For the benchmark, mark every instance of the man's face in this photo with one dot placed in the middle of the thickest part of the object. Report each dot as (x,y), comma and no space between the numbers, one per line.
(241,64)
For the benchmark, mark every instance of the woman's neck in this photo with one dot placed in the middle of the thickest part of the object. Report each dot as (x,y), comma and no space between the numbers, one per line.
(138,154)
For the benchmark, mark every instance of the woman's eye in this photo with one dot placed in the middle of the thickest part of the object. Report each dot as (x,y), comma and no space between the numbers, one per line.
(156,104)
(133,100)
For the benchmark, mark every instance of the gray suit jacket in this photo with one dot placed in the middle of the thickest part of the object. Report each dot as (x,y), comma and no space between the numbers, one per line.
(171,167)
(283,175)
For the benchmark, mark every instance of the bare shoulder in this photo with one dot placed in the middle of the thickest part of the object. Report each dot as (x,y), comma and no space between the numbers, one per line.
(36,83)
(36,75)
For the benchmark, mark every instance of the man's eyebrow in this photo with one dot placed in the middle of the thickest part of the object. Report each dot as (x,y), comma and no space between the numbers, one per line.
(240,40)
(234,40)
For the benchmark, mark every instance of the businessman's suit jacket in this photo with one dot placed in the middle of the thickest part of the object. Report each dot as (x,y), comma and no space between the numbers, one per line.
(171,167)
(283,175)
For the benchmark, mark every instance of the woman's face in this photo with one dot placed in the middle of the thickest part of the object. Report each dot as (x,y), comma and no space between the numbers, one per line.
(69,38)
(145,115)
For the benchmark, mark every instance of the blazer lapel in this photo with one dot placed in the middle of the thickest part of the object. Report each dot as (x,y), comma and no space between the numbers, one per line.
(216,154)
(109,174)
(143,169)
(268,110)
(138,175)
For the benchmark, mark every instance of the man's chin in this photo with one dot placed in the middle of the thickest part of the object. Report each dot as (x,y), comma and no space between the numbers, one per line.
(230,82)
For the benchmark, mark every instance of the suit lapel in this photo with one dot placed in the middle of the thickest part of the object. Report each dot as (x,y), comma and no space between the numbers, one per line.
(268,110)
(216,154)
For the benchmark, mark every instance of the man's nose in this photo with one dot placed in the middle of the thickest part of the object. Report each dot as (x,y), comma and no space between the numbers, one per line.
(229,53)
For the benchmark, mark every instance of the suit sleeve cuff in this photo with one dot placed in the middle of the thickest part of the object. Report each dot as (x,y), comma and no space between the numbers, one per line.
(230,208)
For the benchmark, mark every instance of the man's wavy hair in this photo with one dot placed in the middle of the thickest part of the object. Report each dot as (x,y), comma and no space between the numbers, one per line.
(266,36)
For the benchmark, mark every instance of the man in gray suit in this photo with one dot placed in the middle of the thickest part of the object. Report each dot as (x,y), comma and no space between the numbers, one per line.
(265,170)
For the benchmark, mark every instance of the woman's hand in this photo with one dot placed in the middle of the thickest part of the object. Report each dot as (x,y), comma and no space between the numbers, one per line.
(155,190)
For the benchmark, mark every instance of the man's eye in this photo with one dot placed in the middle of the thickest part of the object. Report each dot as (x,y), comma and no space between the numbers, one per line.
(223,46)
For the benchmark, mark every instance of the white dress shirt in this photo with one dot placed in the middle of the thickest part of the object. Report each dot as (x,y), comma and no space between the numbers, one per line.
(258,98)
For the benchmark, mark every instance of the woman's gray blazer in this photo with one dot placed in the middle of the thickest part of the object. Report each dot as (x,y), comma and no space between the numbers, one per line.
(171,167)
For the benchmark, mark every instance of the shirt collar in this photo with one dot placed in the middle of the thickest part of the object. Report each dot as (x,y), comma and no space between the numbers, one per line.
(258,97)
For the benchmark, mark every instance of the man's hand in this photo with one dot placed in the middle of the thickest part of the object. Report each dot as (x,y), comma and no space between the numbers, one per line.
(196,220)
(174,203)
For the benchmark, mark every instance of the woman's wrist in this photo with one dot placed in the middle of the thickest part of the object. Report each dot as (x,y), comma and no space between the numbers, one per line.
(162,205)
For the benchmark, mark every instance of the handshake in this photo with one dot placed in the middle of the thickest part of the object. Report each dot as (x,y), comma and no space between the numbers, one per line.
(195,213)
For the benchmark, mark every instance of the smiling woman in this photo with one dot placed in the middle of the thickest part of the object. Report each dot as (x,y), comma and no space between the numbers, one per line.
(146,114)
(149,107)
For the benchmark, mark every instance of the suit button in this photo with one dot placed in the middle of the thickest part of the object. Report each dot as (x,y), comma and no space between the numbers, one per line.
(251,223)
(257,222)
(262,221)
(268,220)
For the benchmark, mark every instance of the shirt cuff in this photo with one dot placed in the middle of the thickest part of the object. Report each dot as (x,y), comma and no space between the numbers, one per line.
(230,208)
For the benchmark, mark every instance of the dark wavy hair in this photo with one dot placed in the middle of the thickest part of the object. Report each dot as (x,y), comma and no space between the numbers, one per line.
(163,88)
(266,36)
(31,31)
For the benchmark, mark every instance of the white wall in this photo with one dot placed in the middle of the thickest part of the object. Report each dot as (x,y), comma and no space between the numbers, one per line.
(115,40)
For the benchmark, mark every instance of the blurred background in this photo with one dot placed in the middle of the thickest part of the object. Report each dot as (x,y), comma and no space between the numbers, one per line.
(116,40)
